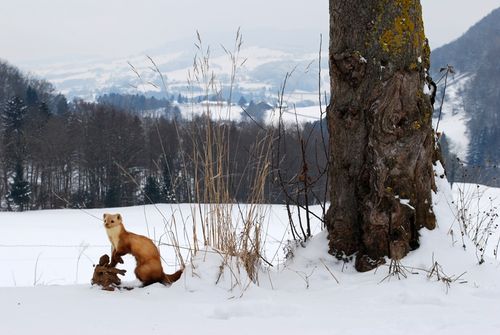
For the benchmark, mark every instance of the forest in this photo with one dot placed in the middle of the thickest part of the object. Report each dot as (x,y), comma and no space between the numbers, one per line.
(58,154)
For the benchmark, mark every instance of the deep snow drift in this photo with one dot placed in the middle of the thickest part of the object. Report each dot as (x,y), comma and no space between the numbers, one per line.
(310,293)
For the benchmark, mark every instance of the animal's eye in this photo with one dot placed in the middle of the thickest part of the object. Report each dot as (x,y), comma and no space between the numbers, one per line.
(112,221)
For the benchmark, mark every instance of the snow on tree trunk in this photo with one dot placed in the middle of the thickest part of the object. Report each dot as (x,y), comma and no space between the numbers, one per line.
(381,137)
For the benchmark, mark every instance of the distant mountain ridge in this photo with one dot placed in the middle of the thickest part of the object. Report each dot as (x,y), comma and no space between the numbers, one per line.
(261,67)
(467,52)
(473,96)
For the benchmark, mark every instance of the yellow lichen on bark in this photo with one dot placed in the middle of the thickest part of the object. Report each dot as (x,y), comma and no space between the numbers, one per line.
(406,30)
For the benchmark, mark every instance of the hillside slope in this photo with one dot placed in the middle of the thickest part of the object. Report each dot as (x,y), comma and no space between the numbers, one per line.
(472,99)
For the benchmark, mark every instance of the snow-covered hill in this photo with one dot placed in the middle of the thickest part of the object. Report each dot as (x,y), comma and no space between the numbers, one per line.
(453,121)
(259,71)
(471,111)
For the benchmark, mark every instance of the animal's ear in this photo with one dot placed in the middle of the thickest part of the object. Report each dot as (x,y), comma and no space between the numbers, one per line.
(118,216)
(104,216)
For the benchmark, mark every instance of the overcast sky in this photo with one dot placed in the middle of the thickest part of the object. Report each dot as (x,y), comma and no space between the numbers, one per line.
(59,29)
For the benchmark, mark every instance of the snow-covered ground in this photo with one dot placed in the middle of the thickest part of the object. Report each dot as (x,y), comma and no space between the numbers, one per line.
(46,260)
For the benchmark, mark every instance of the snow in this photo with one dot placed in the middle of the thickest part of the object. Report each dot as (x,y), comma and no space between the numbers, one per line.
(482,204)
(405,202)
(221,111)
(301,114)
(454,118)
(90,78)
(309,293)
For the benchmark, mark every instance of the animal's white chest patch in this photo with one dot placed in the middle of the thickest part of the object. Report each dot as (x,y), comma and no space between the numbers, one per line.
(113,235)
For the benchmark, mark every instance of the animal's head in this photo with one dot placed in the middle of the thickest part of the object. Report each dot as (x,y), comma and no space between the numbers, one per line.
(112,220)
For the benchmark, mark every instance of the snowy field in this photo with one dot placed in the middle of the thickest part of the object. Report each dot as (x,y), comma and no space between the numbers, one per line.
(290,115)
(46,262)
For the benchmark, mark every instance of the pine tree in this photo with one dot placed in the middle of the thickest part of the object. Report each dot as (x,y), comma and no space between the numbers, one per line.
(12,122)
(166,187)
(152,193)
(61,105)
(13,115)
(113,196)
(31,96)
(20,189)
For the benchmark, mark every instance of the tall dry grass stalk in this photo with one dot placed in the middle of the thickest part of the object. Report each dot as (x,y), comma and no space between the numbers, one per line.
(233,235)
(217,221)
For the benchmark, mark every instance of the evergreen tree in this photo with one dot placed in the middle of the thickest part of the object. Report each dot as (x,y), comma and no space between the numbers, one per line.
(61,105)
(166,187)
(31,96)
(19,189)
(12,122)
(113,198)
(152,193)
(13,115)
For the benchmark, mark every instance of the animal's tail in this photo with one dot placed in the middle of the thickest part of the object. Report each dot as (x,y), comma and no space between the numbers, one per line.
(169,279)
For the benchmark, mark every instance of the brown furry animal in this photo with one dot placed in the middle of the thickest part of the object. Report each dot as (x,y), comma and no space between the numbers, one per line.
(147,256)
(106,276)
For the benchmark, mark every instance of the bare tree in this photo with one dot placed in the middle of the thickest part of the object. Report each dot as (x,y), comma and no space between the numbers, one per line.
(382,144)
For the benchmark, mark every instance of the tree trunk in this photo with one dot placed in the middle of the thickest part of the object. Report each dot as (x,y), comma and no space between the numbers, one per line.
(381,138)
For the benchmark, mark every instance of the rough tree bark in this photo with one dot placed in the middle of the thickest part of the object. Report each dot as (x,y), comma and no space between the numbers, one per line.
(381,138)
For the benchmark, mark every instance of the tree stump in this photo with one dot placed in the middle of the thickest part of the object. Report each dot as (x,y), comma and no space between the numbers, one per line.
(105,275)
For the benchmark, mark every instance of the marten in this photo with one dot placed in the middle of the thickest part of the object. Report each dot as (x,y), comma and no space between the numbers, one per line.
(148,269)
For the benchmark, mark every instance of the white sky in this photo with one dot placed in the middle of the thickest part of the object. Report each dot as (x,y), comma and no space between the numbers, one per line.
(60,29)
